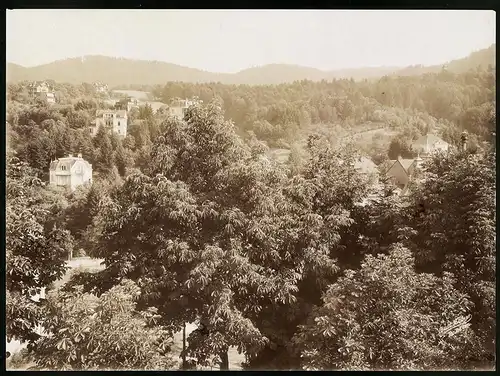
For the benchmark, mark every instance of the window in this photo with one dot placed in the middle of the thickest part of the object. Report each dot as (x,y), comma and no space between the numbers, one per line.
(118,123)
(63,168)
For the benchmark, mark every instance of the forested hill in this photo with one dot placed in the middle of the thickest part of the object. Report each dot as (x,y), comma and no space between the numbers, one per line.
(481,58)
(119,71)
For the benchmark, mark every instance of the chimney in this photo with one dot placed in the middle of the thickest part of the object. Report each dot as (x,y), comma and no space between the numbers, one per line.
(71,155)
(79,155)
(463,141)
(400,157)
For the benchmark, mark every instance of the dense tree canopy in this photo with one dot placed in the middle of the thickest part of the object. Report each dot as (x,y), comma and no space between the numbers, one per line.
(456,230)
(35,252)
(411,106)
(303,263)
(85,332)
(386,316)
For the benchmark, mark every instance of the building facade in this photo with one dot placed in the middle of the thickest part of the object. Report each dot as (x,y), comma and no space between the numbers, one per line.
(43,91)
(70,172)
(429,144)
(100,87)
(400,171)
(132,103)
(178,107)
(114,120)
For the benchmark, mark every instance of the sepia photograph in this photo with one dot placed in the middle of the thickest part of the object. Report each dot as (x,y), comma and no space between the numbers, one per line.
(250,190)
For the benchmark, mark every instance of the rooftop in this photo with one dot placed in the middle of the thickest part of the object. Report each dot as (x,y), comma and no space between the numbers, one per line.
(428,139)
(70,160)
(406,163)
(121,113)
(365,165)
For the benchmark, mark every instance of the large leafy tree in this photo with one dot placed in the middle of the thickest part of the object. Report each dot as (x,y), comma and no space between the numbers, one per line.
(385,315)
(85,332)
(400,147)
(453,214)
(120,159)
(176,231)
(314,212)
(35,253)
(216,232)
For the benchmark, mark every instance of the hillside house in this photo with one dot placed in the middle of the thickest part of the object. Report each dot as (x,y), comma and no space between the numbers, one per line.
(43,91)
(100,87)
(429,144)
(401,171)
(126,103)
(70,172)
(178,107)
(114,120)
(132,103)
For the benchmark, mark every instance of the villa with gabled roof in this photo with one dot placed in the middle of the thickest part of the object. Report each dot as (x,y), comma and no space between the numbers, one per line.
(70,172)
(178,107)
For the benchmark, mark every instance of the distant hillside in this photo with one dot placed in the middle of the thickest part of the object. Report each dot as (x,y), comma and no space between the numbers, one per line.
(276,74)
(282,73)
(481,58)
(113,71)
(117,71)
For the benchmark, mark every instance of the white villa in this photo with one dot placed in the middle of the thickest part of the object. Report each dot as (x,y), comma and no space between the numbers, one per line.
(42,90)
(115,120)
(70,172)
(428,144)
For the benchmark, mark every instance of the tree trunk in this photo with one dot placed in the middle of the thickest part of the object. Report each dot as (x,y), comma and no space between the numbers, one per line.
(184,365)
(224,356)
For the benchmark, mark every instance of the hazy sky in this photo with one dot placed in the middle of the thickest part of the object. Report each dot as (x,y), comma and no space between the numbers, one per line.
(228,41)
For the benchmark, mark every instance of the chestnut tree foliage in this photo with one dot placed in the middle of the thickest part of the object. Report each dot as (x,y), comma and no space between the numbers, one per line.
(455,231)
(215,231)
(387,316)
(85,332)
(302,264)
(35,252)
